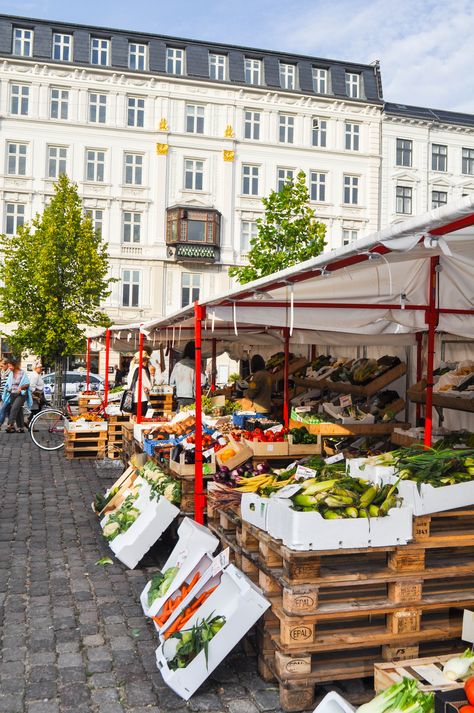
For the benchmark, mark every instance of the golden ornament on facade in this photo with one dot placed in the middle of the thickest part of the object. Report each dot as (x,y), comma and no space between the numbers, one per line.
(229,132)
(162,149)
(163,125)
(229,155)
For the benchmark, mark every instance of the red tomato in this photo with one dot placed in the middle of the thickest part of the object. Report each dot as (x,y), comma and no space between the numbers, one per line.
(466,709)
(469,691)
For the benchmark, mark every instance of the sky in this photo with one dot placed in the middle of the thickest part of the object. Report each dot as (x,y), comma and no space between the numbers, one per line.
(424,46)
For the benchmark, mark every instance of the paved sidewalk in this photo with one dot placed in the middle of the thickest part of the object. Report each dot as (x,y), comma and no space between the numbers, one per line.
(74,638)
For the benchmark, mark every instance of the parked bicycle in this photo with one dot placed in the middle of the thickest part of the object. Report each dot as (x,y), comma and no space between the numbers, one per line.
(47,426)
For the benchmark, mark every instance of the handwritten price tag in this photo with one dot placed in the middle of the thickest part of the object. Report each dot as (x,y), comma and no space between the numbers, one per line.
(220,561)
(345,400)
(303,473)
(287,492)
(334,459)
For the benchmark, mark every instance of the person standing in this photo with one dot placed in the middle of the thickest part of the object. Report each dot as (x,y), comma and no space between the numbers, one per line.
(183,377)
(37,390)
(15,394)
(4,372)
(258,395)
(132,381)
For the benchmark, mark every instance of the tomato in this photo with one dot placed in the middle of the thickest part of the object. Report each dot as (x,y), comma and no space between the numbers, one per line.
(466,709)
(469,691)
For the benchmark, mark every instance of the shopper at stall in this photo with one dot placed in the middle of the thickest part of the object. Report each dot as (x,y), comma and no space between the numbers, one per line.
(4,372)
(183,377)
(258,395)
(132,381)
(15,394)
(37,390)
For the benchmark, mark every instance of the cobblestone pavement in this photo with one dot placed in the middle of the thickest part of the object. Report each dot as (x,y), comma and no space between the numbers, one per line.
(74,638)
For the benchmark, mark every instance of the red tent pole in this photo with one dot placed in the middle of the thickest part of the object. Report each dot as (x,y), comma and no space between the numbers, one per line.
(419,370)
(140,377)
(199,497)
(286,373)
(107,354)
(213,365)
(432,321)
(88,363)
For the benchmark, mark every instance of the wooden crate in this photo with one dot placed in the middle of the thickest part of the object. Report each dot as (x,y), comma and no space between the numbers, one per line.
(386,674)
(336,613)
(417,393)
(350,429)
(293,366)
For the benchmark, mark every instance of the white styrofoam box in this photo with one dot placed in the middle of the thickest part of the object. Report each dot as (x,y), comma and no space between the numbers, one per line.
(80,425)
(194,541)
(334,703)
(130,546)
(374,473)
(336,412)
(254,509)
(242,604)
(310,531)
(428,499)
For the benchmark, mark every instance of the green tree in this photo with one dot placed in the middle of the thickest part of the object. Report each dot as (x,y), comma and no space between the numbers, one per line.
(288,233)
(54,276)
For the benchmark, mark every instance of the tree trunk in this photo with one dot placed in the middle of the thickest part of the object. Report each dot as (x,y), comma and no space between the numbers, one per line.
(59,394)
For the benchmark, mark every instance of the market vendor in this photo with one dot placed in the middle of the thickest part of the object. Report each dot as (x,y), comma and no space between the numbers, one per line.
(183,377)
(258,395)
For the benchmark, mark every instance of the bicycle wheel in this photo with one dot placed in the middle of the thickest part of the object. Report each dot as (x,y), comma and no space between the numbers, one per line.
(47,429)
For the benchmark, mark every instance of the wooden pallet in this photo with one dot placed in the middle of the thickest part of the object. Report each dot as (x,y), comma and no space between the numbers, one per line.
(72,436)
(421,669)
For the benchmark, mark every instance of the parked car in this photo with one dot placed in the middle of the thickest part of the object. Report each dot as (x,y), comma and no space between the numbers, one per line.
(75,382)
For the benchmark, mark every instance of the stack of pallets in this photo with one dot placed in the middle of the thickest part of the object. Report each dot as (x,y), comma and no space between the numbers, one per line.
(162,404)
(85,444)
(336,613)
(115,439)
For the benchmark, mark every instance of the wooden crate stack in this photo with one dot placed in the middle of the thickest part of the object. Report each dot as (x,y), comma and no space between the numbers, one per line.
(162,404)
(85,404)
(115,439)
(85,444)
(336,613)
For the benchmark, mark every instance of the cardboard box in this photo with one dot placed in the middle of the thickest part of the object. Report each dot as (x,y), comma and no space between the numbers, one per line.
(295,449)
(310,531)
(194,541)
(267,449)
(187,469)
(242,454)
(242,604)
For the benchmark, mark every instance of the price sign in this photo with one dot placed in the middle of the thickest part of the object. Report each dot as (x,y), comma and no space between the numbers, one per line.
(222,441)
(468,626)
(274,429)
(302,409)
(302,473)
(334,459)
(220,561)
(149,412)
(345,400)
(287,492)
(208,453)
(188,446)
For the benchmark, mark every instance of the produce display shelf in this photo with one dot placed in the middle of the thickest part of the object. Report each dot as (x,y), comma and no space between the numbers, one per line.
(417,394)
(351,429)
(345,387)
(293,366)
(386,674)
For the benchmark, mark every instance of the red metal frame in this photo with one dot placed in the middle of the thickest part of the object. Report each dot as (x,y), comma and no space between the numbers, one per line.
(140,376)
(286,395)
(213,364)
(432,317)
(419,369)
(107,355)
(88,363)
(199,496)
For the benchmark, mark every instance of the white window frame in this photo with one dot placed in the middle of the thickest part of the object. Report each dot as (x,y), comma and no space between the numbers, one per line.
(56,156)
(352,136)
(284,176)
(194,170)
(351,186)
(195,115)
(286,129)
(59,103)
(349,236)
(133,169)
(131,227)
(97,108)
(133,279)
(193,288)
(439,157)
(100,51)
(319,128)
(64,43)
(136,112)
(175,59)
(317,186)
(467,161)
(97,217)
(436,202)
(22,99)
(288,76)
(252,124)
(253,71)
(250,179)
(22,42)
(96,159)
(17,156)
(217,66)
(404,198)
(320,78)
(404,151)
(353,85)
(138,57)
(248,231)
(14,215)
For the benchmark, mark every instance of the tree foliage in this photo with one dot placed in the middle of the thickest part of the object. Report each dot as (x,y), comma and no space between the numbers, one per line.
(288,233)
(54,276)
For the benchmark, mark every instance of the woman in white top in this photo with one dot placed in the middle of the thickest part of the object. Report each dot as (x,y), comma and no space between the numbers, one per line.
(132,381)
(37,390)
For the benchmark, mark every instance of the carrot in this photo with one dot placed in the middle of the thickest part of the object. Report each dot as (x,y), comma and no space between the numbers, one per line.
(194,581)
(173,628)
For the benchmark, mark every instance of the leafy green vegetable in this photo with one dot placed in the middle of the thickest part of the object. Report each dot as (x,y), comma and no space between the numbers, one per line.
(153,592)
(193,641)
(122,519)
